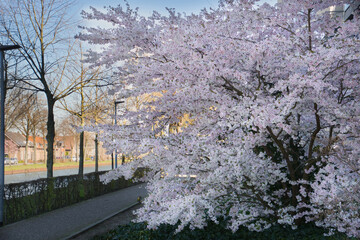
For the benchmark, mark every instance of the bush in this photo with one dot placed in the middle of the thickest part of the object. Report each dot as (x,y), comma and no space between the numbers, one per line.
(138,231)
(28,199)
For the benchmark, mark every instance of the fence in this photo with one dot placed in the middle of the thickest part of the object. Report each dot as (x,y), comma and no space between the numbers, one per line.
(27,199)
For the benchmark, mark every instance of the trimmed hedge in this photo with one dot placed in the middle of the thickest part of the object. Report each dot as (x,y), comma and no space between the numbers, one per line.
(138,231)
(27,199)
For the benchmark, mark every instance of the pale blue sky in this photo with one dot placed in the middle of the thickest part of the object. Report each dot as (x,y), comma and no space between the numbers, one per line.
(146,7)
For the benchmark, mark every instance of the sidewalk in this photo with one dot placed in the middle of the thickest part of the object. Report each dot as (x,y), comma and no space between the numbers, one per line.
(63,223)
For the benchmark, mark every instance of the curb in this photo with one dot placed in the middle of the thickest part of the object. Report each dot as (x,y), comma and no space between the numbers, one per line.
(73,235)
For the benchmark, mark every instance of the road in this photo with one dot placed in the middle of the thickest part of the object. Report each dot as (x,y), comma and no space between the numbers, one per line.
(24,177)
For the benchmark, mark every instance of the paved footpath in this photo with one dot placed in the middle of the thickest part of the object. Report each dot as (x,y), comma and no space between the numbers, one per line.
(65,222)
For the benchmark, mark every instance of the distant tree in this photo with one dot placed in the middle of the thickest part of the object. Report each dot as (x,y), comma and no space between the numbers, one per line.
(30,121)
(16,105)
(85,103)
(24,123)
(38,120)
(99,113)
(67,127)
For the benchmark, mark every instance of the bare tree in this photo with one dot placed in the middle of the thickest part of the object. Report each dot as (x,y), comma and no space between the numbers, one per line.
(37,121)
(24,124)
(87,107)
(67,125)
(16,99)
(41,29)
(99,112)
(16,105)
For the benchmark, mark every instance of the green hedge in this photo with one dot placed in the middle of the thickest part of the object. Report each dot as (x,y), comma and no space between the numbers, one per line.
(27,199)
(138,231)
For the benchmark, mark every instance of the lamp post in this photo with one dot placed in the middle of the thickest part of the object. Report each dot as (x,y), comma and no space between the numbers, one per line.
(115,104)
(3,48)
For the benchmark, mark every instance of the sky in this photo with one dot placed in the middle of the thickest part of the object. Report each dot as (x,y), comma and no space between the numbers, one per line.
(146,7)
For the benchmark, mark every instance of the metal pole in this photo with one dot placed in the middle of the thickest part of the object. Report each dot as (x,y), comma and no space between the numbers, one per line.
(2,138)
(115,147)
(112,155)
(112,160)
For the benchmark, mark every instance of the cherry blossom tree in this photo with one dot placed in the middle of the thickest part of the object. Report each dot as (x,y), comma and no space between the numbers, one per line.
(273,95)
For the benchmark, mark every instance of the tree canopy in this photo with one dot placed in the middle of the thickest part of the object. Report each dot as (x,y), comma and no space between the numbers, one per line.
(273,95)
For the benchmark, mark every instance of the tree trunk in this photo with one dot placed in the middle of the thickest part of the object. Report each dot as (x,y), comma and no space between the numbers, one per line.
(81,160)
(96,153)
(50,137)
(26,148)
(5,76)
(44,148)
(34,141)
(77,149)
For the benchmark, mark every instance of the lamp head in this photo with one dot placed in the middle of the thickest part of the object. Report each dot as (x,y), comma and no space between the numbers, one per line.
(8,47)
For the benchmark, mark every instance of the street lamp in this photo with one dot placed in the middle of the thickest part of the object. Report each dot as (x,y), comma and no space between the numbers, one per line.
(115,104)
(3,48)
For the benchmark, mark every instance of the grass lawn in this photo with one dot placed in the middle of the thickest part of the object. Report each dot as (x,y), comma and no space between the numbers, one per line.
(22,167)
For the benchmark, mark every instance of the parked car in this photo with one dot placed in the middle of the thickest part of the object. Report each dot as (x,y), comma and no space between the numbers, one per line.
(74,159)
(10,161)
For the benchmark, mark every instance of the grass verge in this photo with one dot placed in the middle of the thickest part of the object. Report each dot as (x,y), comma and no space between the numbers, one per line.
(41,166)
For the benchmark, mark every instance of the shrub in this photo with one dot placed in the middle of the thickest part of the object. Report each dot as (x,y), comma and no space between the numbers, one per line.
(139,231)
